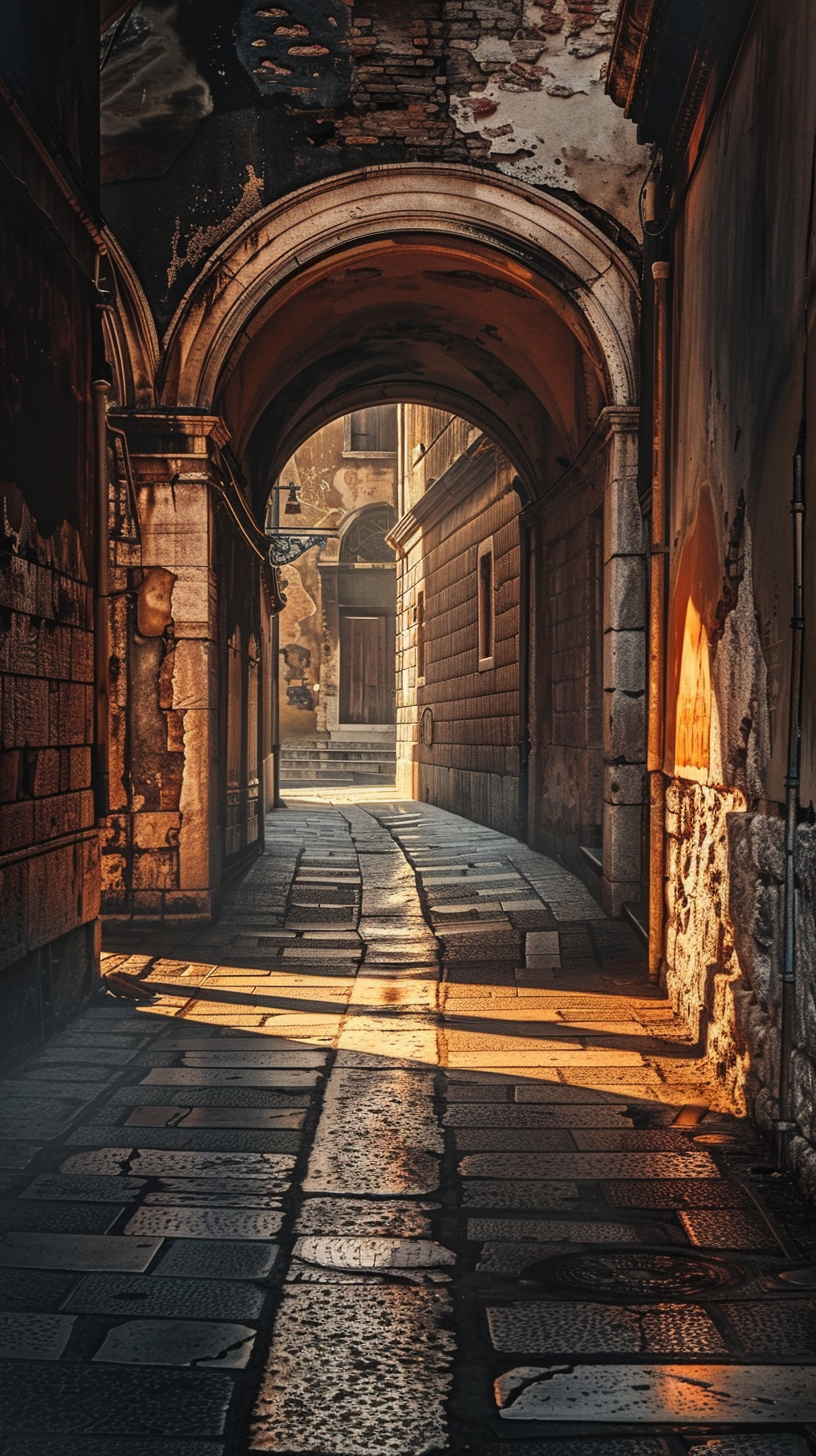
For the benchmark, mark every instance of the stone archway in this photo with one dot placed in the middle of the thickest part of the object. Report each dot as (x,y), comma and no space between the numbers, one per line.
(271,341)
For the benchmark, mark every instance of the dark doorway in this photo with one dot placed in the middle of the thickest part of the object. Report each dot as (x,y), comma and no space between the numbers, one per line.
(367,678)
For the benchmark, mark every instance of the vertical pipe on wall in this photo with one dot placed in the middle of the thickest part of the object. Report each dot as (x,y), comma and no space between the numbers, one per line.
(101,387)
(657,633)
(785,1123)
(524,679)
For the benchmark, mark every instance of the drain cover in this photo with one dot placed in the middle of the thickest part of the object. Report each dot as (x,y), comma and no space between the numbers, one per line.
(634,1274)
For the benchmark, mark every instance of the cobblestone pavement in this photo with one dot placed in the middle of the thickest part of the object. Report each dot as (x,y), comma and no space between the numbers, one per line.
(406,1156)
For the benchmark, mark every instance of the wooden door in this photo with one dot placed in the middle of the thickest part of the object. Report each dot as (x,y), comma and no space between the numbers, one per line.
(367,680)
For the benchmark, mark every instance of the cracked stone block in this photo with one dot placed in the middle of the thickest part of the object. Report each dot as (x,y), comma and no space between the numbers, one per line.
(204,1223)
(394,1217)
(151,1295)
(728,1229)
(217,1193)
(599,1329)
(76,1251)
(212,1117)
(779,1327)
(350,1252)
(589,1166)
(727,1394)
(71,1398)
(276,1167)
(85,1189)
(344,1349)
(553,1230)
(230,1077)
(178,1342)
(218,1259)
(34,1336)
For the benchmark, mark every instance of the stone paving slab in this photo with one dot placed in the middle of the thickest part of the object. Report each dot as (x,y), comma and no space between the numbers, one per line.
(29,1290)
(589,1165)
(214,1259)
(151,1295)
(553,1230)
(151,1164)
(76,1251)
(205,1344)
(22,1214)
(104,1446)
(730,1395)
(204,1223)
(71,1398)
(394,1339)
(34,1336)
(602,1329)
(229,1077)
(215,1140)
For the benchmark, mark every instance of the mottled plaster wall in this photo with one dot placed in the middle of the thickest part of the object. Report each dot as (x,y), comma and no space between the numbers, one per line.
(740,271)
(333,483)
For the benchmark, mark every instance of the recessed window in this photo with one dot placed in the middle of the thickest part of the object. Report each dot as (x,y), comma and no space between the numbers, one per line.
(420,636)
(486,604)
(371,431)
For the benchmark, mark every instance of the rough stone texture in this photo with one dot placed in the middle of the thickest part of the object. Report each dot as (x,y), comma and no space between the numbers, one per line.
(393,1339)
(594,1329)
(77,1399)
(395,1154)
(642,1394)
(152,1296)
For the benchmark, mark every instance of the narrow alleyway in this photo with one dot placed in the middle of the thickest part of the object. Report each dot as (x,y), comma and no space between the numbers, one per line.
(406,1155)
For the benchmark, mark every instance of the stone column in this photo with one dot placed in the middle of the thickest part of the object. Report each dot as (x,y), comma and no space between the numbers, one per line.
(162,857)
(624,663)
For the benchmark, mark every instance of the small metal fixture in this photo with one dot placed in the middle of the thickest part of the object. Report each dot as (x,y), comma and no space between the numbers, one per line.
(293,506)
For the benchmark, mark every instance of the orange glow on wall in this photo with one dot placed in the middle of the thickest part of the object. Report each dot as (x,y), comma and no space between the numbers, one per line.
(693,706)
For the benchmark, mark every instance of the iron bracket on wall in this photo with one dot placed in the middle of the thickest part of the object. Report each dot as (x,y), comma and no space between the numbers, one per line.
(288,547)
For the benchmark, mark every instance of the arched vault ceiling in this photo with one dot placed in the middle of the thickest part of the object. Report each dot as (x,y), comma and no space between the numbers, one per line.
(421,319)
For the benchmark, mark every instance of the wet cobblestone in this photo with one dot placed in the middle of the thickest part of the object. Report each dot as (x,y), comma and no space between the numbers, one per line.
(373,1189)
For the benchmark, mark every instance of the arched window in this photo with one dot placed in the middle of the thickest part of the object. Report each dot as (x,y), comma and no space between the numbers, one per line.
(364,539)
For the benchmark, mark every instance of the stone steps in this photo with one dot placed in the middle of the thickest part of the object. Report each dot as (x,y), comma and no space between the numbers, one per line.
(320,761)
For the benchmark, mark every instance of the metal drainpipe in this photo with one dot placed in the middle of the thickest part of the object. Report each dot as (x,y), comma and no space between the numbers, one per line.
(524,679)
(786,1125)
(101,387)
(657,633)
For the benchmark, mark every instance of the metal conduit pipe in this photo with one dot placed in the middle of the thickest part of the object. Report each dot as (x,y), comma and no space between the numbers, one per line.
(785,1124)
(657,630)
(101,387)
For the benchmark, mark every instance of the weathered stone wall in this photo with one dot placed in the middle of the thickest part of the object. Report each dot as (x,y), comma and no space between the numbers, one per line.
(463,721)
(566,790)
(182,593)
(49,846)
(213,110)
(742,270)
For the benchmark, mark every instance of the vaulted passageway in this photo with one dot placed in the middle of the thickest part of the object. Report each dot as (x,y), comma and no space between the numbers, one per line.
(486,303)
